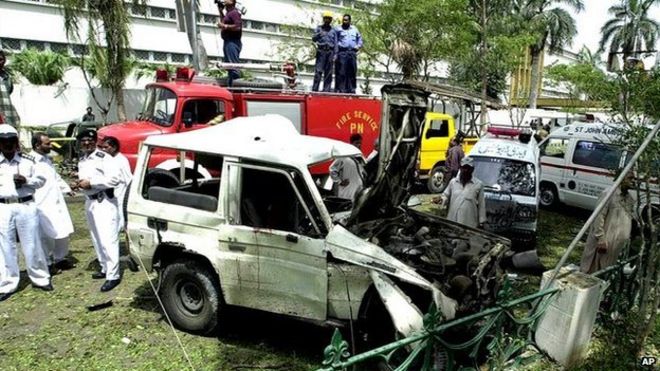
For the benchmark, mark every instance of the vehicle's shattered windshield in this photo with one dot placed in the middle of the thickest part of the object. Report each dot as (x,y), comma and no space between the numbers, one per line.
(511,176)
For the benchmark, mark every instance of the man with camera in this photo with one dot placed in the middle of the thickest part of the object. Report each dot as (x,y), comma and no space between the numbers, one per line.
(19,177)
(231,26)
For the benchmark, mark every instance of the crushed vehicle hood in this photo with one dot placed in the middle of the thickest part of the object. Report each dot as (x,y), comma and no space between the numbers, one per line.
(346,246)
(402,121)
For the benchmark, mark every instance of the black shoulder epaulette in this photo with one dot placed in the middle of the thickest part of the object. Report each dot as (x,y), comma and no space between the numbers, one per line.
(27,157)
(100,154)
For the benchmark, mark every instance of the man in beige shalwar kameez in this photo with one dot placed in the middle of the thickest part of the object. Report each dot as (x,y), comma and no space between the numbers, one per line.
(610,231)
(465,195)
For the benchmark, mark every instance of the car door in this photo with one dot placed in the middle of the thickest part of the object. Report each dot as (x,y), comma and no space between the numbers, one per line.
(292,266)
(590,172)
(553,163)
(435,140)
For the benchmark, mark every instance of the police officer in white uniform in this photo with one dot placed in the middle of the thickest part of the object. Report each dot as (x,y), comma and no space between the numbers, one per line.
(98,175)
(111,146)
(54,220)
(19,177)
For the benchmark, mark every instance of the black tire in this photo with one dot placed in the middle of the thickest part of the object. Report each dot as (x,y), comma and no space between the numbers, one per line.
(257,84)
(160,178)
(437,181)
(549,197)
(191,296)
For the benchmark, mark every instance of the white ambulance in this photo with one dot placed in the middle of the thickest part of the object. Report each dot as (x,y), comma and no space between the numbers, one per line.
(579,162)
(507,162)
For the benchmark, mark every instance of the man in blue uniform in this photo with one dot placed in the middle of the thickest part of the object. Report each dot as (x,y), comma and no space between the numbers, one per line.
(325,39)
(349,42)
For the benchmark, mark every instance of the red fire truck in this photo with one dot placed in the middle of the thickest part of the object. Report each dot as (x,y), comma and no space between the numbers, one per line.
(187,103)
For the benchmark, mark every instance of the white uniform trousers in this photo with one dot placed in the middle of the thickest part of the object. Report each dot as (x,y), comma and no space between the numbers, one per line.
(21,218)
(55,249)
(102,219)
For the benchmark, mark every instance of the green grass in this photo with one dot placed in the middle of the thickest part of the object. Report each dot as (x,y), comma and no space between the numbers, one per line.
(55,331)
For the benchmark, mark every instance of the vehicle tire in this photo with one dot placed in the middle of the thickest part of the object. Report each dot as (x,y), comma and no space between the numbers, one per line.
(257,83)
(437,181)
(549,197)
(191,296)
(160,178)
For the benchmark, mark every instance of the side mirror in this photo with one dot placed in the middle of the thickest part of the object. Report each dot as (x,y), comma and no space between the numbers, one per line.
(187,119)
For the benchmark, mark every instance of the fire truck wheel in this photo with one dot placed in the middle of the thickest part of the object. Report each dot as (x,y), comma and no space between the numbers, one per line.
(437,179)
(257,83)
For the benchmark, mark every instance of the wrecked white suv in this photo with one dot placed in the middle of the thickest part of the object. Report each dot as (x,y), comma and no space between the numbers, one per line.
(258,232)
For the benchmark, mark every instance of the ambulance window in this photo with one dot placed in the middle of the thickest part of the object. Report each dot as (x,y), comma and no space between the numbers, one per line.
(596,154)
(438,129)
(554,147)
(290,110)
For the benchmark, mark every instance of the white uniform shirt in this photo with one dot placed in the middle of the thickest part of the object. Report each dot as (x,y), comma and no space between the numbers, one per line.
(347,169)
(24,165)
(466,203)
(125,176)
(100,169)
(54,216)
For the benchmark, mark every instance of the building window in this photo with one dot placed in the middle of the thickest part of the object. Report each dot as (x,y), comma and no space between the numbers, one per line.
(11,44)
(160,57)
(138,10)
(171,14)
(157,12)
(270,27)
(59,48)
(256,25)
(79,50)
(178,58)
(209,19)
(37,45)
(142,55)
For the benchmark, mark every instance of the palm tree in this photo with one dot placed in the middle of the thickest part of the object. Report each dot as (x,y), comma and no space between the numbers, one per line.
(586,56)
(106,20)
(555,29)
(630,29)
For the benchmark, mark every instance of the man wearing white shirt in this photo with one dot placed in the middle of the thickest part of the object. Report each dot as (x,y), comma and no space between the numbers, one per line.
(19,177)
(98,175)
(111,146)
(54,220)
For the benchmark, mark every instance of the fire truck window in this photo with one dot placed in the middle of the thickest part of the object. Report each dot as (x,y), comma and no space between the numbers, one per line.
(205,111)
(159,106)
(596,154)
(438,129)
(554,147)
(290,110)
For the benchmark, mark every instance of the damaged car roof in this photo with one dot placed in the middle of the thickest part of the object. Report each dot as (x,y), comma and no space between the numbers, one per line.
(271,138)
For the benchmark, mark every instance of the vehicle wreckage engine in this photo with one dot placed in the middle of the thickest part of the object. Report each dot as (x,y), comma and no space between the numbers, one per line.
(462,262)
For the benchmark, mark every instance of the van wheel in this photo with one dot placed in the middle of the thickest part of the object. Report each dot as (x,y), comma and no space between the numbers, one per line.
(437,179)
(191,296)
(549,197)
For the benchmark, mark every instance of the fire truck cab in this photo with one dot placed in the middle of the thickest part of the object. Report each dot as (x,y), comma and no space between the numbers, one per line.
(185,103)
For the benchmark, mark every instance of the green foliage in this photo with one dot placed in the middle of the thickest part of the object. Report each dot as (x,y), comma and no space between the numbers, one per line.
(415,35)
(40,67)
(630,28)
(500,38)
(583,80)
(144,69)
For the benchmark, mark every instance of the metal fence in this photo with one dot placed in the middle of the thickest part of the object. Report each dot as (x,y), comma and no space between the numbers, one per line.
(496,336)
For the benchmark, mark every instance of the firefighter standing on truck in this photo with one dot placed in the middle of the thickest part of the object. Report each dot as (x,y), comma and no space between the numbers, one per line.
(349,42)
(325,39)
(98,175)
(231,26)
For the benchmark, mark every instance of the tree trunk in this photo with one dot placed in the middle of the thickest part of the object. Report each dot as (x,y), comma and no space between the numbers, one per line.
(484,71)
(121,109)
(535,77)
(195,36)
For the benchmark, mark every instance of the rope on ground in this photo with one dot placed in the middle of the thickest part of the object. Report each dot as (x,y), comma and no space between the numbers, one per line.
(167,316)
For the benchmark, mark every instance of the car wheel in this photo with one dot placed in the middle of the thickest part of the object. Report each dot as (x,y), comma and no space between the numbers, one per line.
(437,179)
(191,295)
(549,197)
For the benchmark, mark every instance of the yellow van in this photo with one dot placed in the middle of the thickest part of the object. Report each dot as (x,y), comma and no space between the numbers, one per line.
(438,129)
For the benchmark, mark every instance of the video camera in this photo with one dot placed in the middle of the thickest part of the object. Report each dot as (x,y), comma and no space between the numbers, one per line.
(219,3)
